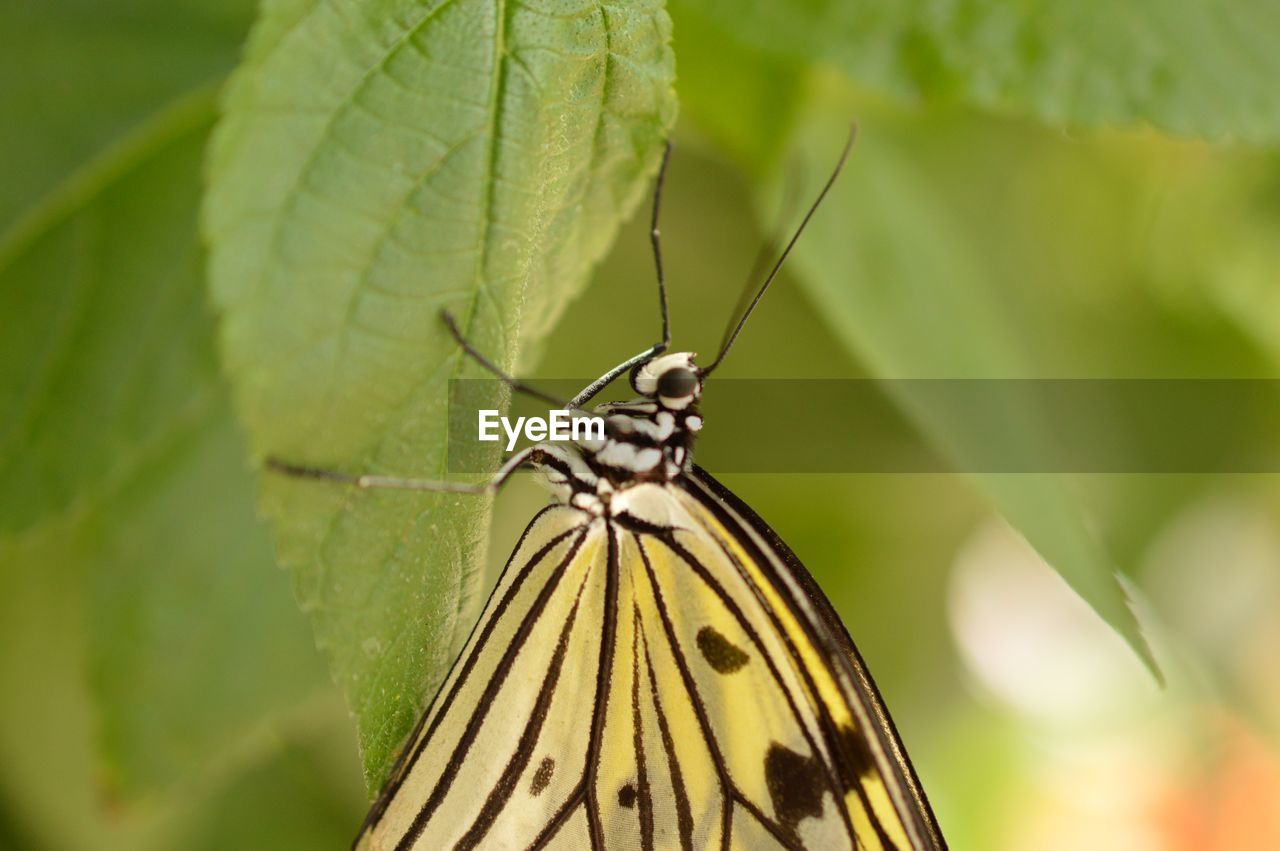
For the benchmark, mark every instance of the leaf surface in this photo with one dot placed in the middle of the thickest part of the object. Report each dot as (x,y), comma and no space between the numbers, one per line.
(81,76)
(124,474)
(1190,67)
(379,162)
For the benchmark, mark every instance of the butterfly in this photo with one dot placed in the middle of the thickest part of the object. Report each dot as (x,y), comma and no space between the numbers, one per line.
(655,669)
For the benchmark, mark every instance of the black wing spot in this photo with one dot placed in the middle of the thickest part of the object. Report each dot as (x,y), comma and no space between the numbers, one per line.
(627,796)
(542,776)
(856,751)
(796,786)
(719,652)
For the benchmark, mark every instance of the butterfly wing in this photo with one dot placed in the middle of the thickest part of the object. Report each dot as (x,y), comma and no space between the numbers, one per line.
(657,681)
(882,792)
(499,751)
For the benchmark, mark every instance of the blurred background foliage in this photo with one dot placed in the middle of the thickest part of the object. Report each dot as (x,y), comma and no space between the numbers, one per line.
(1061,192)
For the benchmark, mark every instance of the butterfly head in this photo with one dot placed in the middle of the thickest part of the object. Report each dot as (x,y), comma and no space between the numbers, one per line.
(672,380)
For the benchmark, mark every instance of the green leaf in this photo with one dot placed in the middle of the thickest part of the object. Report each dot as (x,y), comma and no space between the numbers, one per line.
(46,748)
(304,797)
(79,76)
(122,464)
(108,329)
(82,81)
(1192,67)
(50,774)
(902,288)
(182,571)
(123,492)
(742,98)
(380,161)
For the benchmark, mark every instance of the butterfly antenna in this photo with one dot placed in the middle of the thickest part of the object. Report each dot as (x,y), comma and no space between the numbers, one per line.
(655,237)
(786,209)
(786,252)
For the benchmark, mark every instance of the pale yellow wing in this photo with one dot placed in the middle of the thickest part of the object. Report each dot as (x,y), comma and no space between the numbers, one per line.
(776,600)
(501,749)
(659,680)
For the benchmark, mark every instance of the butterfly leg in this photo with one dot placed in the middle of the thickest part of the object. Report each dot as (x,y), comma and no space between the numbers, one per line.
(370,482)
(515,384)
(576,403)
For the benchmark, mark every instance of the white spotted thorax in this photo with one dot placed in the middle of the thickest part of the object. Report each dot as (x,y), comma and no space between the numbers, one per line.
(648,441)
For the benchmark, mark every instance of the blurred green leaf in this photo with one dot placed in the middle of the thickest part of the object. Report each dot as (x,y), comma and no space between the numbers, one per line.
(380,161)
(298,799)
(115,437)
(78,75)
(1192,67)
(196,645)
(907,296)
(47,767)
(120,439)
(49,774)
(742,98)
(1217,223)
(106,329)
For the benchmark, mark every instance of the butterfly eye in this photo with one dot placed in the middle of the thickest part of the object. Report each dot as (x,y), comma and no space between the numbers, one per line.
(677,383)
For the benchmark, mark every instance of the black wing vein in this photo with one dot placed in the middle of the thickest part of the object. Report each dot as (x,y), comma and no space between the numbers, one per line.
(417,742)
(829,733)
(501,791)
(603,674)
(700,570)
(474,722)
(684,814)
(644,793)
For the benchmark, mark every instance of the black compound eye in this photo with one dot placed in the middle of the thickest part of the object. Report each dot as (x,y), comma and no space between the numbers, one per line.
(677,383)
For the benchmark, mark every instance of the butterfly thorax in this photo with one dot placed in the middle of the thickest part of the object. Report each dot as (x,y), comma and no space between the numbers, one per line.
(645,441)
(648,440)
